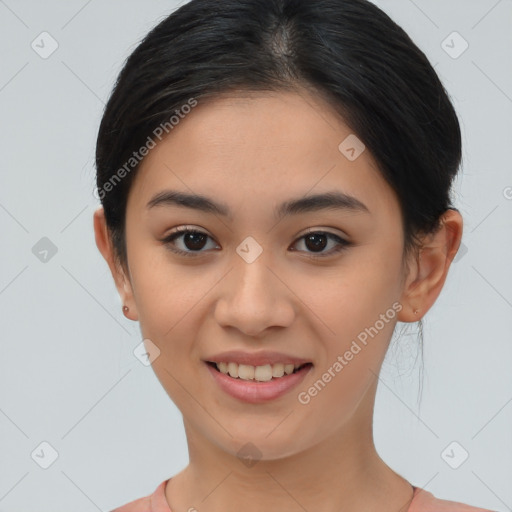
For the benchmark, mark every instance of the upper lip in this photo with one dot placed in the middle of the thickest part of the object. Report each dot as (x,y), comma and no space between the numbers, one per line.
(256,358)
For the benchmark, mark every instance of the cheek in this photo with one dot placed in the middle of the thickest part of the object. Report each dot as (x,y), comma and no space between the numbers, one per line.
(169,301)
(351,296)
(352,362)
(355,310)
(165,292)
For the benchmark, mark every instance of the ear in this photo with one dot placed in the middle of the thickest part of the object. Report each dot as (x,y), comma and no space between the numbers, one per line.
(121,279)
(428,272)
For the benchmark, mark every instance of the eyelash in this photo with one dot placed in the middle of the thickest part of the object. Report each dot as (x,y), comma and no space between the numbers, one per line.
(342,244)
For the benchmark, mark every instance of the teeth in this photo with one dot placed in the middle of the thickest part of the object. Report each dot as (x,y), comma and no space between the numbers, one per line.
(260,373)
(231,368)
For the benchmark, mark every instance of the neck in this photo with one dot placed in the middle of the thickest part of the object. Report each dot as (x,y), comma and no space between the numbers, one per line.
(342,472)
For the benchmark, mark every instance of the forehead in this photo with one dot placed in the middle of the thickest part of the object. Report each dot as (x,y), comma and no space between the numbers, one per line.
(259,149)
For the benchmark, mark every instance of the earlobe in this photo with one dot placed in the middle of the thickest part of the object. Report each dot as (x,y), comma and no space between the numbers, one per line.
(425,282)
(121,281)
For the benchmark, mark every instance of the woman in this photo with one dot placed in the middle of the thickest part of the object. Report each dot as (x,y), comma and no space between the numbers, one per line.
(275,182)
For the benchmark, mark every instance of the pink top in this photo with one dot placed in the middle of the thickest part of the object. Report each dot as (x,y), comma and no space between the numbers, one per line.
(422,501)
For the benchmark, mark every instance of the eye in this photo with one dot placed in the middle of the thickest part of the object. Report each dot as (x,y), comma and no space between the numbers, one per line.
(318,240)
(194,241)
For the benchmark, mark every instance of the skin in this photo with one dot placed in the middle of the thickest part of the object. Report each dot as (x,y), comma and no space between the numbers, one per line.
(253,152)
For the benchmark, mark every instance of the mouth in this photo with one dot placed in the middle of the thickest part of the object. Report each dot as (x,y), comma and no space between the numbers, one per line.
(258,384)
(296,369)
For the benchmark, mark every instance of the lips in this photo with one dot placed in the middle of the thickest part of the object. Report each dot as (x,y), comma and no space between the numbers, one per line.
(255,392)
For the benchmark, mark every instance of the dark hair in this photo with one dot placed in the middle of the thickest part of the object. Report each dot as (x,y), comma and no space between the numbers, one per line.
(347,52)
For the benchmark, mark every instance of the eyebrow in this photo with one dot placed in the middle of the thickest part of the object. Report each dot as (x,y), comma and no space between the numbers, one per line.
(334,200)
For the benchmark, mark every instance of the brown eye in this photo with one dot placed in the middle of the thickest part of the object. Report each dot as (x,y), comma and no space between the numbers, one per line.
(316,241)
(193,241)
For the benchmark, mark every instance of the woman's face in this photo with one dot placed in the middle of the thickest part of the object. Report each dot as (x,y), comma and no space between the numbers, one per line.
(255,282)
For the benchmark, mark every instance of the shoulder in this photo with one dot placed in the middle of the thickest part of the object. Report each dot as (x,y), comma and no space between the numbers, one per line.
(424,501)
(155,502)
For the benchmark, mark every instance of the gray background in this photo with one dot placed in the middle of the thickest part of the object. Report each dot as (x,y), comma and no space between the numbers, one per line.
(68,376)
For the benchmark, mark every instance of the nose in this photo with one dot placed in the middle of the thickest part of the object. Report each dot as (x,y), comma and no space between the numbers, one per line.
(254,298)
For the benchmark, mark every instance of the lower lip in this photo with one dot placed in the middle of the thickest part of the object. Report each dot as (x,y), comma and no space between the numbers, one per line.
(255,392)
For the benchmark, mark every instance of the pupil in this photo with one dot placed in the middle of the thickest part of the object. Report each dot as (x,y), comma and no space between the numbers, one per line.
(193,237)
(317,245)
